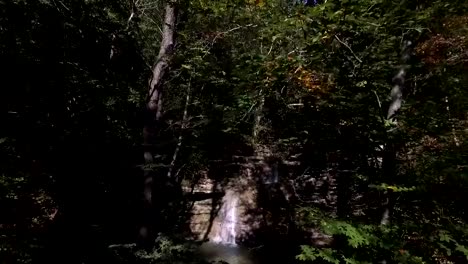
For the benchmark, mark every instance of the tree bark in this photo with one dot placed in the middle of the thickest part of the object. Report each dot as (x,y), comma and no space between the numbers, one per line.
(396,93)
(151,214)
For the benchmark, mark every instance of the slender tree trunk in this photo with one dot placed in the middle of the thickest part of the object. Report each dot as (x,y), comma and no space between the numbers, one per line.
(390,152)
(183,126)
(257,122)
(456,141)
(152,117)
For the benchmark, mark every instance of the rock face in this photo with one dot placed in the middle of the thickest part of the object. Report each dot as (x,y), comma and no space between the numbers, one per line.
(257,202)
(229,218)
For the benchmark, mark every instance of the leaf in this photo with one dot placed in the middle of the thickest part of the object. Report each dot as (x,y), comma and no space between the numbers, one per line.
(327,255)
(444,237)
(361,84)
(463,250)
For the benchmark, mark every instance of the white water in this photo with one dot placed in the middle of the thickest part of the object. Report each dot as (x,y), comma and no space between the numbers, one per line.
(226,233)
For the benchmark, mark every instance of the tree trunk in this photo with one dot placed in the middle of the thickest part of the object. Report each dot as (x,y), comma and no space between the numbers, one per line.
(183,126)
(389,158)
(151,201)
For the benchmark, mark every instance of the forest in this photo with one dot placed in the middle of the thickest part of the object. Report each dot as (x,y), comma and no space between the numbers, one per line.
(233,131)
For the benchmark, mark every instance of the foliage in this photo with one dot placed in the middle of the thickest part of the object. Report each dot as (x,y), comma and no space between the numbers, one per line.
(308,85)
(360,243)
(168,250)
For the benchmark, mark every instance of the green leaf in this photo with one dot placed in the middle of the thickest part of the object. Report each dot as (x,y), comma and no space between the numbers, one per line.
(463,250)
(361,84)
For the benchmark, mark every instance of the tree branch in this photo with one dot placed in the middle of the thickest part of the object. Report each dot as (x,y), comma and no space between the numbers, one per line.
(347,46)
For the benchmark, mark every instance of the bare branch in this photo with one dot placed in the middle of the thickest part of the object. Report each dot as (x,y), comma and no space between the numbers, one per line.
(229,31)
(347,46)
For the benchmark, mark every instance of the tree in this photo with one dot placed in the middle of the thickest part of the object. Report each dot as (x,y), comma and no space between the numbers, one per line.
(152,118)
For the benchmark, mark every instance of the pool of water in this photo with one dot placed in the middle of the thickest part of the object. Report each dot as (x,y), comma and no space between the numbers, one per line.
(232,254)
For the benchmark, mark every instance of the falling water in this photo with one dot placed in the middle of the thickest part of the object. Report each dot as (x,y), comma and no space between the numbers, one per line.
(226,233)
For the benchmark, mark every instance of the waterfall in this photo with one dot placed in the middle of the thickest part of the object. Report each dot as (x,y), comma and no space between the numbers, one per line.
(226,233)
